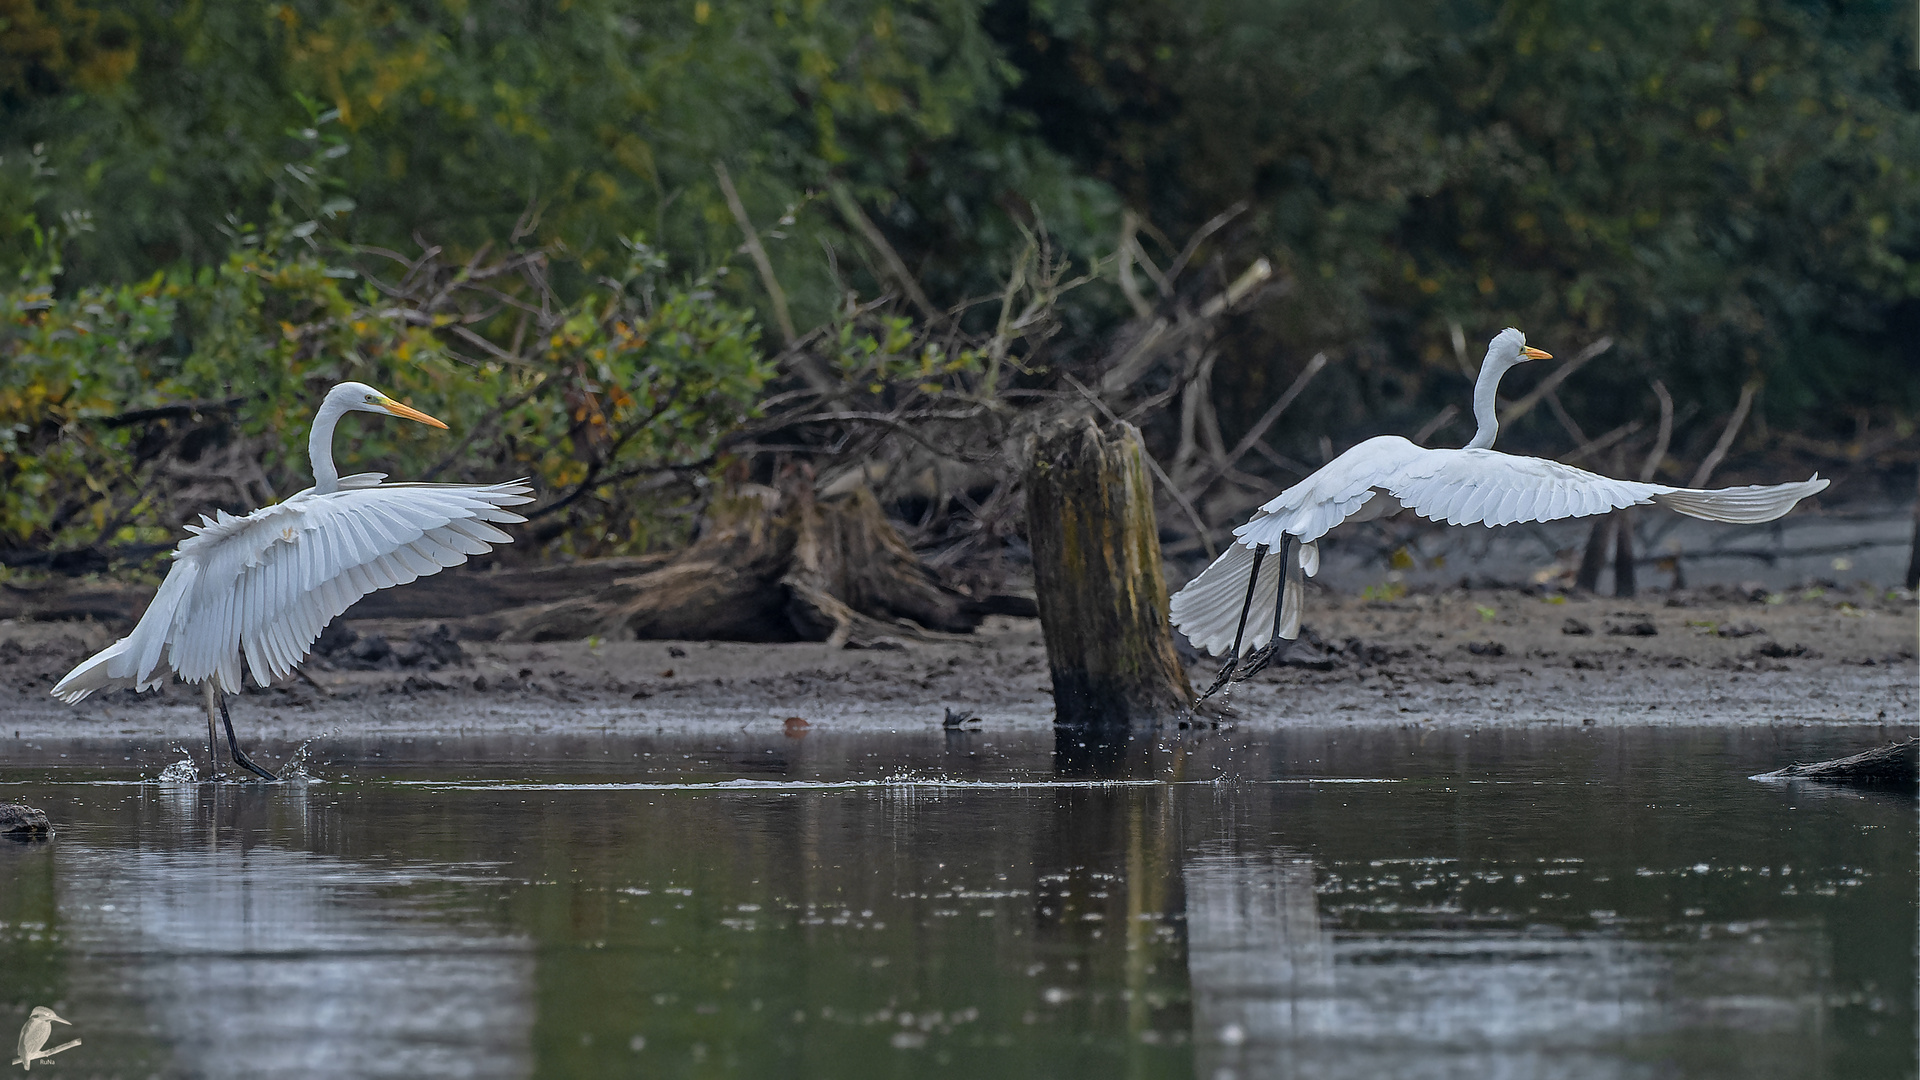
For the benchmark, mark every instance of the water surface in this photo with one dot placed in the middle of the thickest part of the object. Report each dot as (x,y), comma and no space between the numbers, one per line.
(1518,902)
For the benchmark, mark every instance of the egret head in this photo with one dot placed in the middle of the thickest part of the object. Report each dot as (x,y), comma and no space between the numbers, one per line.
(1509,347)
(359,397)
(44,1013)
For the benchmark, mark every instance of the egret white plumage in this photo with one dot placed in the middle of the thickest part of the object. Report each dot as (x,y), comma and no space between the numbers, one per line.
(262,587)
(1386,474)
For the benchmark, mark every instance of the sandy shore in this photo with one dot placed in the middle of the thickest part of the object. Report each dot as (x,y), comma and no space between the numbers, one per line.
(1480,657)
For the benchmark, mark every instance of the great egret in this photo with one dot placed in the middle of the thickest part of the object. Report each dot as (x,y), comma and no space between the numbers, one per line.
(266,584)
(1386,474)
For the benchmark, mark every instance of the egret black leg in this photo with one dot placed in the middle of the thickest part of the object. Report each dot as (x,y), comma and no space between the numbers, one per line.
(1240,633)
(240,757)
(1264,655)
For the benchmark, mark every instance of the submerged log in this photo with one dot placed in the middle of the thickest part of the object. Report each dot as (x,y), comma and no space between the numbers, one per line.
(1895,763)
(1096,567)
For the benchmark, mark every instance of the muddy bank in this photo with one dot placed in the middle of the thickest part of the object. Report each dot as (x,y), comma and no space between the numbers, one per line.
(1459,657)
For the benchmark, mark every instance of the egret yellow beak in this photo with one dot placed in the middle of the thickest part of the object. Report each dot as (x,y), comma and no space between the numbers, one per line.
(1536,354)
(411,413)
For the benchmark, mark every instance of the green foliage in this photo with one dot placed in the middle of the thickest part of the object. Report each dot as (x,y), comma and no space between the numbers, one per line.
(582,122)
(126,410)
(1729,189)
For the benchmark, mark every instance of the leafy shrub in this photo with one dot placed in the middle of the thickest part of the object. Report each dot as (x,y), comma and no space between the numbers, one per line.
(126,410)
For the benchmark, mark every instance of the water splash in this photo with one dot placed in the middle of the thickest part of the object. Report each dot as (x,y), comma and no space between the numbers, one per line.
(295,771)
(180,772)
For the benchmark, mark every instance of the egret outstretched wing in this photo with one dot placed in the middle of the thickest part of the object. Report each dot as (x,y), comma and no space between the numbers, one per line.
(1487,487)
(264,585)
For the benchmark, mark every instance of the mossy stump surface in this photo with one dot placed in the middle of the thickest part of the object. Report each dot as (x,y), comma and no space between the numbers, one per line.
(1096,568)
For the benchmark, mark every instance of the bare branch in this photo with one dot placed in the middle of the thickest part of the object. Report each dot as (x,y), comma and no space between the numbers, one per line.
(758,252)
(1665,438)
(858,218)
(1432,427)
(1574,363)
(1258,431)
(1213,225)
(1596,445)
(1567,422)
(1727,435)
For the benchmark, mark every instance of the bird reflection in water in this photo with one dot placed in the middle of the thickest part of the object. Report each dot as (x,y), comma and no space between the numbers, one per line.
(1277,992)
(247,958)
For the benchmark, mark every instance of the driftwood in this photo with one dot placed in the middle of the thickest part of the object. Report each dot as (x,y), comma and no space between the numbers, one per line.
(771,566)
(1895,763)
(1097,579)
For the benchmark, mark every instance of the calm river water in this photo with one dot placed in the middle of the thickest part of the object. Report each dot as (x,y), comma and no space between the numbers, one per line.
(1326,903)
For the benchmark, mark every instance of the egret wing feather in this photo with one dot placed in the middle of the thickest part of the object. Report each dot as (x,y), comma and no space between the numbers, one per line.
(252,593)
(1338,491)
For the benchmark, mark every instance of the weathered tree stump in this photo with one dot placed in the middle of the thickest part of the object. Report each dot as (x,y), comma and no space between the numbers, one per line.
(1096,568)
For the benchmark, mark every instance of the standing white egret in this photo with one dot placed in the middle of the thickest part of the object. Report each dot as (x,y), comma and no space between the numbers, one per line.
(266,584)
(1386,474)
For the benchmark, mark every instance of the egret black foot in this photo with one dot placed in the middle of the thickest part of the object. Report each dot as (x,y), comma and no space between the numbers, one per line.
(1256,661)
(1222,679)
(240,757)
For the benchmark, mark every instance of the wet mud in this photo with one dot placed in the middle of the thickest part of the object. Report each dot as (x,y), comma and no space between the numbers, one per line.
(1482,657)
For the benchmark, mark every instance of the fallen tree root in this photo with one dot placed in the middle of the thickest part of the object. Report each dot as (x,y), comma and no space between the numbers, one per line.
(771,566)
(1895,763)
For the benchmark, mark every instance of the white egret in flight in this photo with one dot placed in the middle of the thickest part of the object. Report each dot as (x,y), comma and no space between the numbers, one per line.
(1386,474)
(263,586)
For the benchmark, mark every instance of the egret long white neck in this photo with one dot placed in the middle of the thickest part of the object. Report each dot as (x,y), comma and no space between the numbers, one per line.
(320,446)
(1485,403)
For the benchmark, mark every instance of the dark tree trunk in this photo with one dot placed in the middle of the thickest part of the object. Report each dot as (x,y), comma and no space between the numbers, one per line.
(1624,584)
(1913,557)
(1096,568)
(1594,558)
